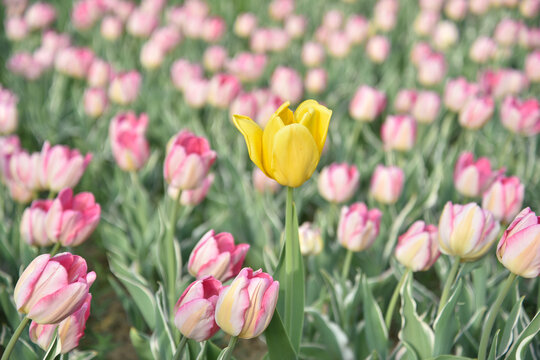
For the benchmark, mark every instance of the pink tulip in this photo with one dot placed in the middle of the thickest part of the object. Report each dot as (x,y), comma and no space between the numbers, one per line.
(280,9)
(529,8)
(153,6)
(482,50)
(193,197)
(312,54)
(457,92)
(419,52)
(338,44)
(332,20)
(398,133)
(519,248)
(357,28)
(217,255)
(260,39)
(287,84)
(267,108)
(244,312)
(99,73)
(338,182)
(385,14)
(24,174)
(367,103)
(152,55)
(378,48)
(122,9)
(85,13)
(128,142)
(33,225)
(316,80)
(358,227)
(214,58)
(506,32)
(196,94)
(141,24)
(425,22)
(521,117)
(432,69)
(52,288)
(245,104)
(74,62)
(16,28)
(213,29)
(426,107)
(504,198)
(194,313)
(193,26)
(295,26)
(245,24)
(472,178)
(247,67)
(25,65)
(532,66)
(386,184)
(182,71)
(222,90)
(53,41)
(405,100)
(9,145)
(417,248)
(61,167)
(479,7)
(476,112)
(124,87)
(445,35)
(278,40)
(456,9)
(188,160)
(95,102)
(40,15)
(263,183)
(167,38)
(8,111)
(111,28)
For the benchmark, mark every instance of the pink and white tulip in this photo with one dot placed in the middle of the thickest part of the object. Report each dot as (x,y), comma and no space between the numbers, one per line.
(8,111)
(74,62)
(378,48)
(471,177)
(182,71)
(223,88)
(245,104)
(263,183)
(405,100)
(16,28)
(386,184)
(312,54)
(193,197)
(399,133)
(310,238)
(61,167)
(214,58)
(357,28)
(245,24)
(457,92)
(367,103)
(99,73)
(476,112)
(504,198)
(128,142)
(417,249)
(532,67)
(247,67)
(358,227)
(426,107)
(111,28)
(95,102)
(124,87)
(338,182)
(40,15)
(521,117)
(316,80)
(287,84)
(432,69)
(141,24)
(33,225)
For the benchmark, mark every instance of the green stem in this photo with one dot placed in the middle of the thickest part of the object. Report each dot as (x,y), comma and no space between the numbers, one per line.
(347,264)
(492,315)
(180,349)
(52,194)
(448,284)
(393,300)
(55,249)
(230,348)
(11,345)
(289,257)
(171,258)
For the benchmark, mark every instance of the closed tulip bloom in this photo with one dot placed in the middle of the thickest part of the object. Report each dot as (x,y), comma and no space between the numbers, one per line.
(213,29)
(22,175)
(280,9)
(124,87)
(74,62)
(466,231)
(419,52)
(456,9)
(196,93)
(263,183)
(33,224)
(128,142)
(378,48)
(367,103)
(417,249)
(471,177)
(311,242)
(357,28)
(290,146)
(529,8)
(245,307)
(223,89)
(445,35)
(358,227)
(9,145)
(141,24)
(385,14)
(426,108)
(247,67)
(386,184)
(188,160)
(519,248)
(504,198)
(287,83)
(398,133)
(521,117)
(457,92)
(245,105)
(85,13)
(338,44)
(532,66)
(476,112)
(332,20)
(8,111)
(166,37)
(214,58)
(194,313)
(193,197)
(217,255)
(245,24)
(425,22)
(482,50)
(506,32)
(432,69)
(111,28)
(152,55)
(72,219)
(312,54)
(338,182)
(267,107)
(503,82)
(295,25)
(40,15)
(95,102)
(405,100)
(316,80)
(16,28)
(52,288)
(99,73)
(479,7)
(61,167)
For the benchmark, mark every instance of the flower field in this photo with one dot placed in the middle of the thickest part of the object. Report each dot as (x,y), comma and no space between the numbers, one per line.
(270,179)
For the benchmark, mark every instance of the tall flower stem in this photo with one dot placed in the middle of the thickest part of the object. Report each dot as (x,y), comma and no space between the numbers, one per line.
(492,315)
(55,249)
(448,284)
(227,352)
(289,254)
(171,254)
(180,348)
(347,264)
(11,345)
(393,300)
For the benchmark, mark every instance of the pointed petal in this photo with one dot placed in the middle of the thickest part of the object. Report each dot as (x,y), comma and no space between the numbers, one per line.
(253,135)
(316,118)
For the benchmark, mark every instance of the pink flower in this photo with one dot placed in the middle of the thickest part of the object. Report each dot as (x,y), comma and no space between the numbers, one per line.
(479,7)
(506,32)
(287,84)
(245,104)
(445,35)
(521,117)
(405,100)
(367,103)
(152,55)
(99,73)
(167,38)
(398,133)
(338,44)
(503,82)
(472,178)
(197,92)
(61,167)
(23,176)
(426,108)
(386,184)
(482,50)
(312,54)
(74,62)
(332,20)
(432,69)
(247,67)
(141,24)
(519,248)
(193,197)
(182,71)
(217,255)
(40,15)
(425,22)
(25,65)
(476,112)
(128,142)
(280,9)
(85,13)
(9,145)
(95,102)
(266,108)
(417,248)
(456,9)
(385,14)
(16,28)
(213,29)
(295,25)
(358,227)
(338,182)
(263,183)
(8,111)
(194,313)
(52,288)
(33,226)
(529,8)
(504,198)
(245,24)
(188,160)
(124,87)
(316,80)
(357,28)
(111,28)
(457,92)
(214,58)
(532,66)
(378,48)
(223,89)
(71,219)
(419,52)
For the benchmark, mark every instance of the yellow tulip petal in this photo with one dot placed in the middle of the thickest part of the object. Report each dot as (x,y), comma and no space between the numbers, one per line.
(294,156)
(272,127)
(316,118)
(253,135)
(285,113)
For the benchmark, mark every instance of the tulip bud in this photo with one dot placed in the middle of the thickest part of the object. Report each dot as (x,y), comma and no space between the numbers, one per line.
(482,50)
(358,227)
(197,92)
(338,44)
(425,22)
(476,112)
(315,81)
(9,145)
(405,100)
(33,225)
(367,104)
(385,14)
(182,71)
(74,62)
(61,167)
(99,73)
(426,107)
(192,197)
(245,307)
(310,238)
(457,92)
(267,106)
(52,288)
(40,15)
(167,38)
(466,231)
(128,143)
(386,184)
(521,117)
(263,183)
(8,111)
(124,87)
(419,52)
(188,160)
(152,55)
(245,24)
(432,69)
(398,133)
(378,48)
(247,67)
(356,29)
(456,9)
(445,35)
(532,67)
(95,102)
(280,9)
(295,25)
(519,248)
(213,29)
(417,249)
(332,20)
(479,7)
(141,24)
(245,105)
(222,90)
(16,28)
(22,176)
(506,32)
(85,13)
(214,58)
(529,8)
(473,178)
(287,84)
(111,28)
(504,198)
(338,182)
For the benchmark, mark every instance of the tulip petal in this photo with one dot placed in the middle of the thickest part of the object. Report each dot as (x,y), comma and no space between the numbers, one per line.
(195,320)
(27,281)
(272,127)
(253,135)
(285,114)
(316,118)
(232,305)
(53,308)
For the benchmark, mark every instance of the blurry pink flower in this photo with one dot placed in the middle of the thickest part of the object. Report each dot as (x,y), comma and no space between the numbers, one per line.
(267,108)
(506,32)
(479,7)
(532,66)
(287,84)
(278,40)
(295,25)
(99,73)
(378,48)
(456,9)
(61,167)
(54,41)
(23,175)
(16,28)
(502,82)
(367,103)
(280,9)
(316,80)
(386,184)
(111,28)
(39,15)
(312,54)
(398,133)
(152,55)
(222,90)
(337,183)
(385,14)
(417,248)
(260,40)
(141,24)
(322,34)
(521,117)
(332,20)
(445,35)
(356,28)
(124,87)
(482,50)
(33,225)
(193,26)
(245,24)
(338,44)
(9,145)
(425,22)
(476,112)
(153,6)
(74,62)
(358,227)
(405,100)
(193,197)
(419,52)
(426,108)
(213,29)
(529,8)
(433,5)
(8,112)
(432,69)
(214,58)
(95,102)
(263,183)
(196,92)
(247,66)
(167,38)
(457,92)
(182,71)
(122,9)
(504,198)
(310,238)
(128,142)
(85,13)
(471,177)
(244,104)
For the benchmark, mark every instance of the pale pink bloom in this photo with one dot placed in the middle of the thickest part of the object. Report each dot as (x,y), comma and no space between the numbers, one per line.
(386,184)
(358,227)
(141,24)
(312,54)
(245,24)
(193,26)
(111,28)
(263,183)
(74,62)
(267,108)
(182,72)
(425,22)
(8,111)
(316,80)
(85,13)
(196,92)
(244,104)
(471,177)
(295,25)
(532,67)
(432,69)
(197,7)
(476,112)
(247,67)
(194,313)
(506,32)
(188,160)
(433,5)
(419,52)
(337,183)
(95,102)
(378,48)
(16,28)
(466,231)
(23,175)
(260,40)
(99,73)
(279,40)
(310,238)
(33,226)
(367,103)
(213,29)
(529,37)
(322,34)
(385,14)
(223,89)
(124,87)
(445,35)
(52,288)
(398,133)
(14,7)
(356,28)
(529,8)
(9,145)
(504,198)
(456,9)
(54,41)
(405,100)
(457,92)
(519,248)
(287,84)
(122,9)
(214,58)
(128,142)
(332,20)
(152,55)
(502,82)
(39,15)
(417,248)
(426,108)
(479,7)
(61,167)
(280,9)
(153,6)
(218,256)
(167,38)
(521,117)
(482,50)
(193,197)
(338,44)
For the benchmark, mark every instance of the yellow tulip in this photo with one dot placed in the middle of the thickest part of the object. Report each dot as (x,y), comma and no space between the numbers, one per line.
(290,146)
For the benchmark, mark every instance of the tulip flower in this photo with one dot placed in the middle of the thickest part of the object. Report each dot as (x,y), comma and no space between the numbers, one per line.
(332,20)
(195,196)
(9,146)
(295,25)
(287,83)
(417,248)
(504,198)
(472,178)
(245,307)
(445,35)
(245,24)
(197,95)
(398,133)
(311,242)
(99,73)
(95,102)
(476,112)
(129,145)
(457,92)
(367,103)
(312,54)
(214,58)
(263,183)
(315,81)
(74,62)
(111,28)
(217,255)
(378,48)
(482,50)
(124,87)
(213,29)
(222,90)
(245,105)
(506,32)
(8,111)
(167,38)
(141,23)
(33,223)
(40,15)
(425,22)
(426,107)
(182,72)
(52,288)
(357,28)
(194,313)
(431,69)
(532,66)
(247,67)
(289,148)
(24,173)
(386,184)
(358,227)
(405,100)
(521,117)
(16,28)
(338,182)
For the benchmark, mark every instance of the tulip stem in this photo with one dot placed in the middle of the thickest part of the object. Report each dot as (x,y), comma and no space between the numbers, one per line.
(227,352)
(171,254)
(55,249)
(448,284)
(52,194)
(393,300)
(492,316)
(347,264)
(180,348)
(11,345)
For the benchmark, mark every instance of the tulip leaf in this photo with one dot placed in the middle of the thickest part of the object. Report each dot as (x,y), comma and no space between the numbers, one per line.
(314,351)
(141,343)
(445,325)
(414,330)
(82,355)
(519,348)
(22,349)
(376,331)
(162,343)
(279,345)
(508,331)
(54,348)
(332,336)
(212,350)
(450,357)
(493,350)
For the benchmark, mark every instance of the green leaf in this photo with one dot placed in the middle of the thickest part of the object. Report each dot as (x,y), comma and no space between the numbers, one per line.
(314,351)
(376,331)
(414,330)
(446,326)
(519,348)
(332,336)
(82,355)
(54,348)
(450,357)
(508,332)
(162,343)
(493,350)
(279,346)
(141,343)
(212,351)
(8,308)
